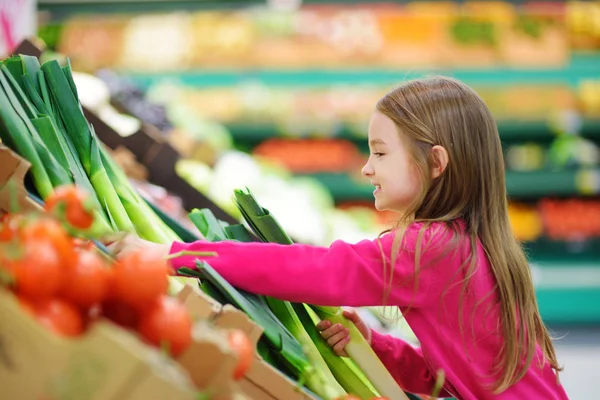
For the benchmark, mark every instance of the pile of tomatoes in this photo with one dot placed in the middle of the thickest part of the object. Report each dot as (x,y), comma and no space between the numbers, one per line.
(67,283)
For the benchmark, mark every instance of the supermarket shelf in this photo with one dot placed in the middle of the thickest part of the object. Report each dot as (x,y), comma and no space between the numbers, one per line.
(254,133)
(568,292)
(569,306)
(582,66)
(522,185)
(65,8)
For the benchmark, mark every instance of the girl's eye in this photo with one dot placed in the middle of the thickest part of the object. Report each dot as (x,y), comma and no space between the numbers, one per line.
(378,154)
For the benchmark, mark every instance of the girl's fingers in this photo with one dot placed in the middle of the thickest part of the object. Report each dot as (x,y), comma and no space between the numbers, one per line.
(322,325)
(351,315)
(339,347)
(335,339)
(335,329)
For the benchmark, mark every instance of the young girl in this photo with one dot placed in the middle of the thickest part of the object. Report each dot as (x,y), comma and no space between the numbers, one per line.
(451,265)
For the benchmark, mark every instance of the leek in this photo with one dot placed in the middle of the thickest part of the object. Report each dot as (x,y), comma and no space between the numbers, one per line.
(14,132)
(320,381)
(208,225)
(266,227)
(148,224)
(363,355)
(240,233)
(86,147)
(106,191)
(285,347)
(344,370)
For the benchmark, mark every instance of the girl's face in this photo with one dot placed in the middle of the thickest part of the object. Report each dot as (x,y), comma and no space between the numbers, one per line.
(390,167)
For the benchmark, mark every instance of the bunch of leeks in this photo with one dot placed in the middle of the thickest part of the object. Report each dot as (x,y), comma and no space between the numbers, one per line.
(364,375)
(42,119)
(277,345)
(333,371)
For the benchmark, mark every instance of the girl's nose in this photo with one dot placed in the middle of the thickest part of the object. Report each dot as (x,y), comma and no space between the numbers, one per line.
(367,170)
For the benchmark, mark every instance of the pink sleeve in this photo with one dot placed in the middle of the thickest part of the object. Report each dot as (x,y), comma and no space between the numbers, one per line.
(405,363)
(342,274)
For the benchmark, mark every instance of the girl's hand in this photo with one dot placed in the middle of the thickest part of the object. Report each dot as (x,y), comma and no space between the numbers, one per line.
(121,244)
(338,337)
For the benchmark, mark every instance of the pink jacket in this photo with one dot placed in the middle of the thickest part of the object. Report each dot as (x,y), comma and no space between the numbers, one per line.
(464,345)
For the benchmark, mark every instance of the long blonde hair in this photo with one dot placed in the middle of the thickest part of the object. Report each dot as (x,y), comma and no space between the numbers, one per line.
(443,111)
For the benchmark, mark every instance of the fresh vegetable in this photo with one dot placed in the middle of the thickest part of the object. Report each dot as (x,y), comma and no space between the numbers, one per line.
(87,282)
(242,347)
(38,270)
(49,229)
(42,119)
(167,324)
(121,313)
(362,354)
(66,283)
(268,229)
(59,316)
(71,201)
(140,277)
(285,348)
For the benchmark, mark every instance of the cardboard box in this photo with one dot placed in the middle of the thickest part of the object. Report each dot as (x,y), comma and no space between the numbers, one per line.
(106,363)
(12,175)
(262,380)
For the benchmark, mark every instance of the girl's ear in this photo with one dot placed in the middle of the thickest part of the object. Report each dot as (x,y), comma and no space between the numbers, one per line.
(440,161)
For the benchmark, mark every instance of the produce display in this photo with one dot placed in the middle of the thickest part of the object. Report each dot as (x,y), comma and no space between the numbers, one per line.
(276,102)
(386,35)
(68,284)
(46,125)
(300,349)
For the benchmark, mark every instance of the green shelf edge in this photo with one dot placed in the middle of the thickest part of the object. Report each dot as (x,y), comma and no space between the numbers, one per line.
(574,306)
(65,8)
(535,184)
(581,66)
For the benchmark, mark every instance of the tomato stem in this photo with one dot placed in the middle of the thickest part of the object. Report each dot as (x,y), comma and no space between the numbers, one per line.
(192,253)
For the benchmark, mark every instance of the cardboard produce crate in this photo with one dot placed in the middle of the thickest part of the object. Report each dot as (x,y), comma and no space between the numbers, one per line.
(262,380)
(13,169)
(106,363)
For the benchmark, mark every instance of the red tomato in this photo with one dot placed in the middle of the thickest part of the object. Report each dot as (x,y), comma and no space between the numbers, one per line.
(71,202)
(167,322)
(51,230)
(59,316)
(242,347)
(38,272)
(140,277)
(87,282)
(120,313)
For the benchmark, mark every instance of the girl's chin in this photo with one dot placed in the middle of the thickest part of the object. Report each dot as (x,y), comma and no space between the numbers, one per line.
(380,205)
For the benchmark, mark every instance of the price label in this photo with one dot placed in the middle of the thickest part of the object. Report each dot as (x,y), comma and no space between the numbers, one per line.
(17,22)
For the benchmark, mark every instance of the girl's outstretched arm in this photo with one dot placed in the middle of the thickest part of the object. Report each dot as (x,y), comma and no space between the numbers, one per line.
(406,364)
(342,274)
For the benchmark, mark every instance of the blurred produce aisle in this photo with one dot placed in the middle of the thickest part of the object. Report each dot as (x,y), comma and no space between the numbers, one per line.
(278,99)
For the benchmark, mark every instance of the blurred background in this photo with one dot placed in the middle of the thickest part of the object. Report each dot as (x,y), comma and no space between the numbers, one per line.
(275,95)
